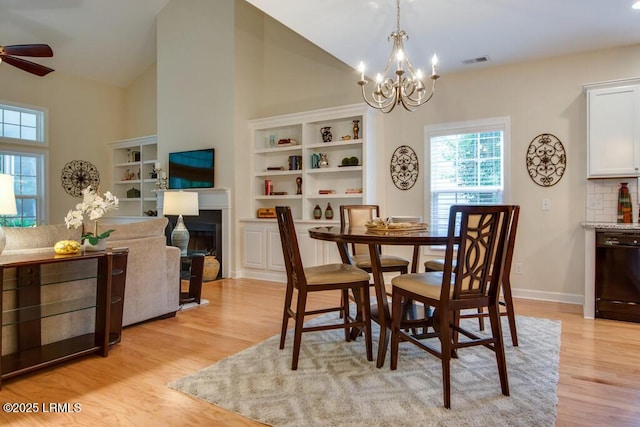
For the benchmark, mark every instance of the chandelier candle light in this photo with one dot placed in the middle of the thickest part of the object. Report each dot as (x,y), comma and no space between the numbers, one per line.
(407,86)
(180,203)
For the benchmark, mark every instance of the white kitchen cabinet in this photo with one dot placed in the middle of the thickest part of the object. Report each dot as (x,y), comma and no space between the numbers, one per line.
(613,129)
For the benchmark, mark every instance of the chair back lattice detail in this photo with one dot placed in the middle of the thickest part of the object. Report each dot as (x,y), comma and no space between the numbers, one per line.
(479,235)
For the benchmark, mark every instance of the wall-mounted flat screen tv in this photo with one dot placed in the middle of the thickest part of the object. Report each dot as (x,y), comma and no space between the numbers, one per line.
(191,169)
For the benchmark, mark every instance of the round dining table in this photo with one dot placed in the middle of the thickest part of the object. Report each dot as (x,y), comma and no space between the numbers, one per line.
(344,236)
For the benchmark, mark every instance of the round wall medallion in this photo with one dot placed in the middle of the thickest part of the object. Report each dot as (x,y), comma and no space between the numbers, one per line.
(78,175)
(546,160)
(404,167)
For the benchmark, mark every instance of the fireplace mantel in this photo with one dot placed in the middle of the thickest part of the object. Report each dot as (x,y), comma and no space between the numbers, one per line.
(212,199)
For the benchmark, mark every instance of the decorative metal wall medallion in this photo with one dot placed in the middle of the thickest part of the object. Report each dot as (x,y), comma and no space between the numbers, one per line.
(546,160)
(404,167)
(78,175)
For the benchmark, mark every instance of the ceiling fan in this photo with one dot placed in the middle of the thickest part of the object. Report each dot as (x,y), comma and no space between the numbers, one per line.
(8,54)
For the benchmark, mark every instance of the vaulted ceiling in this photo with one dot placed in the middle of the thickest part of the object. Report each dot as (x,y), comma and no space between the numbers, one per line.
(114,40)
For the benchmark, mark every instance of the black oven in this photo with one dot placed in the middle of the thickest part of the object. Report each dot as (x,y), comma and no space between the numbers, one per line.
(618,275)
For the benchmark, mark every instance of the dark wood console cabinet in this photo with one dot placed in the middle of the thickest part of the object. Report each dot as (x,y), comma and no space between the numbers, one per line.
(39,290)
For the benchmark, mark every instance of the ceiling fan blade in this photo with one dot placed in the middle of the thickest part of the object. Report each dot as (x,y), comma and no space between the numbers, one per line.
(28,66)
(39,50)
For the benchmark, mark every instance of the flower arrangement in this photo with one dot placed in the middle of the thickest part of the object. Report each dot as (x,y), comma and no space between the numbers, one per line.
(95,206)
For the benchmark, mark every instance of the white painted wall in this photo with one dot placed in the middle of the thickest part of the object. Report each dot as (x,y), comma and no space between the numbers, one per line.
(141,105)
(83,116)
(196,84)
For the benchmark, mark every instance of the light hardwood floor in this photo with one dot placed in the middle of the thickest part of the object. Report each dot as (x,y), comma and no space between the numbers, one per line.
(599,369)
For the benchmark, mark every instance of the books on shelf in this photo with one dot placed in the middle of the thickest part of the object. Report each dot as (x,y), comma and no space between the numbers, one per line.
(353,191)
(326,191)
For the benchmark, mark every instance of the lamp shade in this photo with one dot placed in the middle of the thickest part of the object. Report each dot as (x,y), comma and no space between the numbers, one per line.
(180,203)
(7,195)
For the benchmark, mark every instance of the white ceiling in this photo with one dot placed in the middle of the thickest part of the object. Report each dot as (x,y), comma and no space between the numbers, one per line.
(114,40)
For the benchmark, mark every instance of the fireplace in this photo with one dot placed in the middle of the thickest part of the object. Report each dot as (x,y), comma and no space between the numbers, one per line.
(205,233)
(209,231)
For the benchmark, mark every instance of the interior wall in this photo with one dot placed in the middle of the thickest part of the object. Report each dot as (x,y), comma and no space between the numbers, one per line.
(540,97)
(141,105)
(195,72)
(84,116)
(299,76)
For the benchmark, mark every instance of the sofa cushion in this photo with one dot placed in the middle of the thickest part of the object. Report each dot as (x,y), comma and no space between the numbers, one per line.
(44,236)
(132,230)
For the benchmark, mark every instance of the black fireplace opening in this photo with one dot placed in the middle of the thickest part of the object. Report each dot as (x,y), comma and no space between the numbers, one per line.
(205,233)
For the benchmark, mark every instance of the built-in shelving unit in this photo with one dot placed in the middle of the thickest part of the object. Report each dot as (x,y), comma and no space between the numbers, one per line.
(301,134)
(133,164)
(345,184)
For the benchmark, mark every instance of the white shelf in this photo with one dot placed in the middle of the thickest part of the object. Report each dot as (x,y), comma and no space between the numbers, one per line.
(141,165)
(305,128)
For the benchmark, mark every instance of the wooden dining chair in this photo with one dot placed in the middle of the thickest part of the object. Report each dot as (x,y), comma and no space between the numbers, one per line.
(472,283)
(507,299)
(329,277)
(358,216)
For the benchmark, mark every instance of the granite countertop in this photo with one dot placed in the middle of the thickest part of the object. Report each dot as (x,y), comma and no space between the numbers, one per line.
(611,226)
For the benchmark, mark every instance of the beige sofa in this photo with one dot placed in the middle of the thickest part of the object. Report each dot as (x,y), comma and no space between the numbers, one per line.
(152,287)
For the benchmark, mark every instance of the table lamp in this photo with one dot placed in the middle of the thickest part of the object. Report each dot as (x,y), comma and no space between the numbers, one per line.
(180,203)
(7,203)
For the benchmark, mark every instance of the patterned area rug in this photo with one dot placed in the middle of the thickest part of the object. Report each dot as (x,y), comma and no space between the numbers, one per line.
(335,385)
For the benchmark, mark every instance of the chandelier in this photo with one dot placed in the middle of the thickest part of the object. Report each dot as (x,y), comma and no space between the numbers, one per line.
(402,85)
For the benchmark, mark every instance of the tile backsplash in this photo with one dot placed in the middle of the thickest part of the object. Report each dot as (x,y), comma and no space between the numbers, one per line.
(602,199)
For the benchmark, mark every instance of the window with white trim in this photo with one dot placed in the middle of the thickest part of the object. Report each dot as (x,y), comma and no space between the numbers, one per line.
(467,166)
(19,123)
(23,152)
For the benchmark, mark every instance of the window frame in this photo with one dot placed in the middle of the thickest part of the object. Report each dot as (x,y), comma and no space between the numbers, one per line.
(502,123)
(39,149)
(42,126)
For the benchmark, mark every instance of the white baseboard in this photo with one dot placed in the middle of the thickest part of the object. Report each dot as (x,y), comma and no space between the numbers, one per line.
(261,275)
(548,296)
(517,293)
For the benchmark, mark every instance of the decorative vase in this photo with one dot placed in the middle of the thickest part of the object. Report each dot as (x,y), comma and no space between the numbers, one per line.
(326,134)
(323,162)
(328,212)
(317,212)
(299,185)
(356,129)
(624,204)
(211,268)
(100,246)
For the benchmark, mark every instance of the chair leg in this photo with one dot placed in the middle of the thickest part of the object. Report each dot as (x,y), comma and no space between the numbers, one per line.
(496,330)
(454,333)
(344,313)
(511,315)
(445,342)
(396,310)
(285,314)
(481,318)
(297,337)
(366,316)
(383,343)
